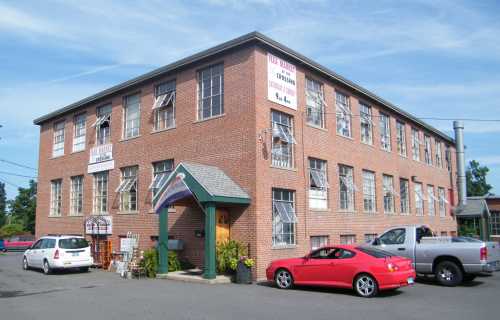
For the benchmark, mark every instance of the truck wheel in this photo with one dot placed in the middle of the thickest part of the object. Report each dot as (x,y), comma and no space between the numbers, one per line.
(469,277)
(448,274)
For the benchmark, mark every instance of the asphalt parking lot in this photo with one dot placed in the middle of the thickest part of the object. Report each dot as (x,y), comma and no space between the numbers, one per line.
(102,295)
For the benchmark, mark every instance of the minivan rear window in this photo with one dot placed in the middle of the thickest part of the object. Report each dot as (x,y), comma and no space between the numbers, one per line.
(73,243)
(377,253)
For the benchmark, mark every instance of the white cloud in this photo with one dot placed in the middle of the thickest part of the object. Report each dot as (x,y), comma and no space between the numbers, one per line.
(493,160)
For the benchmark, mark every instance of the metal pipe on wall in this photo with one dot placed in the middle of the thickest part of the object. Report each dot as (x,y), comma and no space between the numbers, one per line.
(458,126)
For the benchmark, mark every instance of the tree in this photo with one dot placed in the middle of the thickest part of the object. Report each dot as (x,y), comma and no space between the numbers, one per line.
(23,207)
(476,179)
(10,230)
(3,199)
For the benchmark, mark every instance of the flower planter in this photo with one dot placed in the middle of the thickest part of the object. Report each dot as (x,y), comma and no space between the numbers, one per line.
(243,274)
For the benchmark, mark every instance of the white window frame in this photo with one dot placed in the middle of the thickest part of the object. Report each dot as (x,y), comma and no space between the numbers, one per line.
(283,232)
(369,237)
(161,171)
(427,150)
(55,198)
(439,153)
(442,201)
(431,199)
(79,132)
(59,137)
(385,132)
(128,189)
(415,144)
(318,184)
(100,193)
(401,138)
(344,115)
(389,193)
(164,106)
(76,196)
(315,103)
(347,239)
(419,199)
(319,241)
(282,140)
(215,76)
(369,192)
(131,119)
(366,123)
(103,124)
(404,196)
(346,188)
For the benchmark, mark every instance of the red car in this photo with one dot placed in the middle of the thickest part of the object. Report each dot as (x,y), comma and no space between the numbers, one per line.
(366,270)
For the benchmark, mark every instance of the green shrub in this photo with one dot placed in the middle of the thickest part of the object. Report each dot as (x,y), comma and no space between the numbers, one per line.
(228,254)
(173,262)
(10,230)
(151,262)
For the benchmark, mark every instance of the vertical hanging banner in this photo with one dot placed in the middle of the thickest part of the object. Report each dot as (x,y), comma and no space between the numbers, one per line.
(281,82)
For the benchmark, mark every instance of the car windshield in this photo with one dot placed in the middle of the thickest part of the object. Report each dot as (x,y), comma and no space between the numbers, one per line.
(377,253)
(73,243)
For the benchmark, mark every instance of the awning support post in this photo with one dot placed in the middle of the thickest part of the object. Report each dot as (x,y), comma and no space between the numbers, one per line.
(163,241)
(210,271)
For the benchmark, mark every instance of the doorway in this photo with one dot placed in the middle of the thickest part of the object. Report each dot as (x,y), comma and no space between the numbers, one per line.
(222,226)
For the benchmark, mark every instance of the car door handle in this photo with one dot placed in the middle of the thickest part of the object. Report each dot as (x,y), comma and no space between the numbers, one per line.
(401,249)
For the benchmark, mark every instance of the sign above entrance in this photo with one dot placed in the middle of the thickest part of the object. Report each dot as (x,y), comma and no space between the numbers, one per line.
(99,225)
(281,82)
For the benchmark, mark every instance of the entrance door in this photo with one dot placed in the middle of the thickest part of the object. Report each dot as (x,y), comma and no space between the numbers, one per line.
(222,226)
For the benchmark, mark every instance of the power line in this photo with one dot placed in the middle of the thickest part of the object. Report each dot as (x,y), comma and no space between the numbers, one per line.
(17,164)
(17,175)
(10,183)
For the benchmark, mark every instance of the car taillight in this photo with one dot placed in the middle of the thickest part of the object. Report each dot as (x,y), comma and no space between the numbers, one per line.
(483,253)
(56,254)
(392,267)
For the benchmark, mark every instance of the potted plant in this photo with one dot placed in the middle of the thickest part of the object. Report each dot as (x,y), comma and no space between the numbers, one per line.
(243,267)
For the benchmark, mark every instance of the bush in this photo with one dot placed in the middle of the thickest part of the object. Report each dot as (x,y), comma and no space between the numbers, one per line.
(151,261)
(173,262)
(229,252)
(10,230)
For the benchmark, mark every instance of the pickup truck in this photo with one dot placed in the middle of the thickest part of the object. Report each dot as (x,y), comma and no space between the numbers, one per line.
(452,260)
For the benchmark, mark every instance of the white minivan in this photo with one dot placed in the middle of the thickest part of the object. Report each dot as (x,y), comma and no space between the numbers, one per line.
(59,252)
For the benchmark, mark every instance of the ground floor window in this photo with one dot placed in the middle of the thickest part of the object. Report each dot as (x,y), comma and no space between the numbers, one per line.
(319,241)
(347,239)
(495,223)
(55,197)
(369,237)
(284,218)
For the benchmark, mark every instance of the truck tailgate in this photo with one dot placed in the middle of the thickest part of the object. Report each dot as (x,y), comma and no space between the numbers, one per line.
(493,251)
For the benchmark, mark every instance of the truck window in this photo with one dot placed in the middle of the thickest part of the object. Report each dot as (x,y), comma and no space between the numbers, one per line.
(394,236)
(423,232)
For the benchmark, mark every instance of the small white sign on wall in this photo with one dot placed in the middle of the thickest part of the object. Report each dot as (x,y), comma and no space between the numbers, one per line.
(281,82)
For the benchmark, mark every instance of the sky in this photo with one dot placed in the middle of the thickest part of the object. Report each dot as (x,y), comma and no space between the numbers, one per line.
(431,58)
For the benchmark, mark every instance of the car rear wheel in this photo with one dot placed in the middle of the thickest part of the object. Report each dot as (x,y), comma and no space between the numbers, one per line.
(448,274)
(366,286)
(283,279)
(46,267)
(26,266)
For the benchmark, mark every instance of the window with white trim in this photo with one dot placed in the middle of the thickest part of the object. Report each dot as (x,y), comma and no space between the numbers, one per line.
(427,150)
(128,189)
(415,144)
(58,146)
(495,223)
(55,198)
(442,201)
(369,193)
(344,115)
(164,106)
(282,140)
(211,92)
(100,193)
(319,242)
(404,196)
(76,196)
(103,124)
(369,237)
(431,200)
(401,138)
(389,193)
(385,132)
(315,103)
(79,131)
(132,116)
(346,188)
(366,122)
(347,239)
(419,199)
(447,157)
(161,171)
(284,217)
(318,184)
(439,155)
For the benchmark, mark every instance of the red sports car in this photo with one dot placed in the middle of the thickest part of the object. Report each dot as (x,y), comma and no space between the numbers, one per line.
(366,270)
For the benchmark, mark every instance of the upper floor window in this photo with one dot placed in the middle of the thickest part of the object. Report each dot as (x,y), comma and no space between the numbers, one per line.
(103,124)
(58,146)
(284,217)
(282,139)
(315,103)
(211,92)
(164,106)
(161,171)
(365,113)
(132,116)
(415,144)
(439,154)
(128,189)
(385,132)
(389,193)
(344,115)
(404,196)
(76,196)
(427,150)
(447,157)
(419,199)
(401,138)
(55,197)
(442,202)
(430,200)
(79,131)
(318,185)
(100,193)
(369,193)
(346,188)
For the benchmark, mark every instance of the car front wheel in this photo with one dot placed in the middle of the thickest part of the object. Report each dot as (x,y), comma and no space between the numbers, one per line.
(46,267)
(366,286)
(26,266)
(283,279)
(448,274)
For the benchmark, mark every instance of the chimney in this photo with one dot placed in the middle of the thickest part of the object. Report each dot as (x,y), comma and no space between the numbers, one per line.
(458,126)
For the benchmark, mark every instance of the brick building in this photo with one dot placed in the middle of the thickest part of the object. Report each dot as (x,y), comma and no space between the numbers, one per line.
(321,159)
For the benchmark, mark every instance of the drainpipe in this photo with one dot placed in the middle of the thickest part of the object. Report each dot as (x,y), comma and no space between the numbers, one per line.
(458,126)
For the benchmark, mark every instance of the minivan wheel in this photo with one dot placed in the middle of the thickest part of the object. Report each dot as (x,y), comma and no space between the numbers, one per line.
(46,267)
(366,286)
(283,279)
(448,274)
(25,264)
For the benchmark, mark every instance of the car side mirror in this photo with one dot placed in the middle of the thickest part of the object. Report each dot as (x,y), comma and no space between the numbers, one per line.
(376,242)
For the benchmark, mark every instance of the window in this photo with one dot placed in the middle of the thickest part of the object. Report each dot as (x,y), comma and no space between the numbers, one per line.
(284,218)
(132,116)
(419,199)
(430,200)
(161,171)
(100,193)
(347,239)
(415,144)
(394,236)
(366,120)
(318,184)
(58,147)
(369,196)
(347,188)
(401,138)
(55,198)
(103,124)
(79,130)
(318,242)
(164,106)
(211,92)
(447,156)
(442,202)
(439,155)
(385,132)
(283,140)
(128,189)
(404,196)
(344,115)
(76,196)
(369,237)
(495,223)
(389,193)
(315,103)
(427,150)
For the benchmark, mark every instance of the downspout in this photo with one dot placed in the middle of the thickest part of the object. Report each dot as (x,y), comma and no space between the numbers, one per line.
(458,126)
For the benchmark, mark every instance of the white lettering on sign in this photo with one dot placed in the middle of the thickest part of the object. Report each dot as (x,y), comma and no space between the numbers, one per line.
(281,82)
(101,153)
